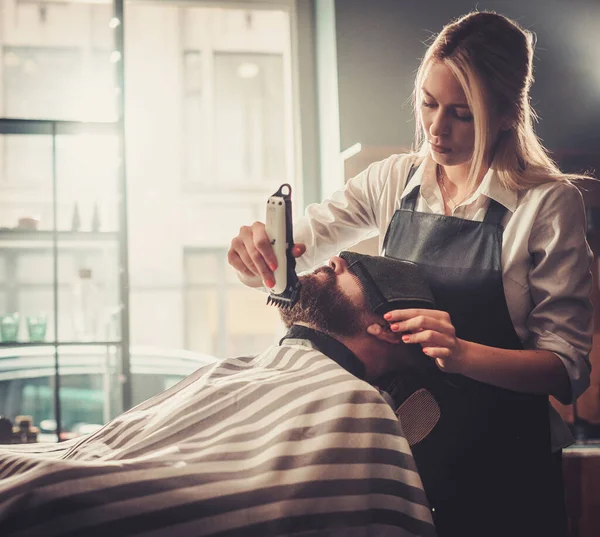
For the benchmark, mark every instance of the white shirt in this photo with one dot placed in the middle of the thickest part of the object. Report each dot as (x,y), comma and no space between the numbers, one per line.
(546,260)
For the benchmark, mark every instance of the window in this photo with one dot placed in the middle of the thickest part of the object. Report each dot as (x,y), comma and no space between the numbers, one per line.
(195,118)
(223,317)
(249,118)
(210,138)
(236,123)
(56,60)
(89,387)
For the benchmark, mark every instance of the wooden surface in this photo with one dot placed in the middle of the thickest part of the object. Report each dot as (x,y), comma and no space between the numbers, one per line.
(581,470)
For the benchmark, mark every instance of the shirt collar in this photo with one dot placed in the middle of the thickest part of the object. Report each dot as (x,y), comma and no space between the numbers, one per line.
(490,186)
(329,346)
(416,179)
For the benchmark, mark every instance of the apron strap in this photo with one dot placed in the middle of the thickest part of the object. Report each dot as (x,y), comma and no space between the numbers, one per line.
(410,200)
(495,213)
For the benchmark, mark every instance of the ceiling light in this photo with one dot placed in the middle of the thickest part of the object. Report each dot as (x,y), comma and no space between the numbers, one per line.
(247,70)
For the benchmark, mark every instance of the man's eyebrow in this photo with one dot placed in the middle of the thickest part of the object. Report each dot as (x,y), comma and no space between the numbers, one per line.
(456,105)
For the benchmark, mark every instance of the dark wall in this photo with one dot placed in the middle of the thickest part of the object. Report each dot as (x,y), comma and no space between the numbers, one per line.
(380,43)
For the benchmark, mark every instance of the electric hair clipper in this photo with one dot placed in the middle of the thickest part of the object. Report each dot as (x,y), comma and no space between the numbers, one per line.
(279,228)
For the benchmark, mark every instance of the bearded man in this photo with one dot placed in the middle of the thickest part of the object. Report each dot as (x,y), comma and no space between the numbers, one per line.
(293,441)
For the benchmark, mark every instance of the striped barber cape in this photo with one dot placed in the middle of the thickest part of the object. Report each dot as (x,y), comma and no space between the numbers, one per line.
(283,443)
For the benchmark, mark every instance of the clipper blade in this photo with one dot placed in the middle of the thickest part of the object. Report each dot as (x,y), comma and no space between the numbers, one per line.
(287,299)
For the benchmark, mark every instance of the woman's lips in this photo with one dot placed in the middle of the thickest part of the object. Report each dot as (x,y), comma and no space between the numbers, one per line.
(439,148)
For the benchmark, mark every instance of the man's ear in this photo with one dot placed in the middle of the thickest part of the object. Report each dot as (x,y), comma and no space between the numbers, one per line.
(383,333)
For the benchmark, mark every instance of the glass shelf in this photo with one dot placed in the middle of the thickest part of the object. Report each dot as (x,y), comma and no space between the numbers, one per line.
(18,344)
(9,125)
(19,239)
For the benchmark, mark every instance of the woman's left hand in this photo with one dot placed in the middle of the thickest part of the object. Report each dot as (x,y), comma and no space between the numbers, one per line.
(434,331)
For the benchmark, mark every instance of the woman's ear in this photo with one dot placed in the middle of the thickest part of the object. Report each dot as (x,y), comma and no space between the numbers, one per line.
(507,123)
(383,333)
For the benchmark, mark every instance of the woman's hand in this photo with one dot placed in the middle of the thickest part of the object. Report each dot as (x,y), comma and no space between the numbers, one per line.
(526,371)
(252,256)
(434,331)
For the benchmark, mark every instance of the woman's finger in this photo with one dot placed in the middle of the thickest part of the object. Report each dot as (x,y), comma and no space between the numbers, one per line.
(237,254)
(250,254)
(439,353)
(423,322)
(262,244)
(235,260)
(430,338)
(298,249)
(403,315)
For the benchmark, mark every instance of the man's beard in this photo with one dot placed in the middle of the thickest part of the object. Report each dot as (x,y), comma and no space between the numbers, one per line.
(324,306)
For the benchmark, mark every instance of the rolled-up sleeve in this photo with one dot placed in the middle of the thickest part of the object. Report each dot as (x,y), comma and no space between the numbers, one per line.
(347,217)
(560,283)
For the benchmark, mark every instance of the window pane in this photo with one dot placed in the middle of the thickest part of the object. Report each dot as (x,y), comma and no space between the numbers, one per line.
(223,317)
(250,125)
(56,60)
(209,140)
(89,384)
(26,180)
(194,117)
(203,268)
(86,169)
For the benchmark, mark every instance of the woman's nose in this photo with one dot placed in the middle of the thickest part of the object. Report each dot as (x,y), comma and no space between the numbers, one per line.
(439,126)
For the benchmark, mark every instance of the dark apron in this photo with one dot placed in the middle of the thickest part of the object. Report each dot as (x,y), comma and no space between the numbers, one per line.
(487,466)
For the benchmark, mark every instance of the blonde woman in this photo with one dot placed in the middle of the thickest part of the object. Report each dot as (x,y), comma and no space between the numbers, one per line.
(499,233)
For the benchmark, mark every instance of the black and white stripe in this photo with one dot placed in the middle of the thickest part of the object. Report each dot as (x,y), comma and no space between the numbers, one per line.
(283,443)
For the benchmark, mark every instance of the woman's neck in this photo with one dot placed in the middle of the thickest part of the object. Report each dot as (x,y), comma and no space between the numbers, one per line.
(454,185)
(456,179)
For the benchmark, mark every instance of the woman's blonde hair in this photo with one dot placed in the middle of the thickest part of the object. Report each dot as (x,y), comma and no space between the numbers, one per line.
(492,59)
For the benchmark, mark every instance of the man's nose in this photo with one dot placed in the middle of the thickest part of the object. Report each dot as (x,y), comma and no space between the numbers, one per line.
(337,264)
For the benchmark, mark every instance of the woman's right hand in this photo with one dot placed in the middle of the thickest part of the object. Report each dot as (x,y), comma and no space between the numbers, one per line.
(252,256)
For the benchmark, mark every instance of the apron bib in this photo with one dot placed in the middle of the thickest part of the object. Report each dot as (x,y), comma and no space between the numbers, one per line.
(487,466)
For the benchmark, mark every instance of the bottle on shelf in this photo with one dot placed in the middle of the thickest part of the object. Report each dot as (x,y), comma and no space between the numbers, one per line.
(87,307)
(24,432)
(76,219)
(95,218)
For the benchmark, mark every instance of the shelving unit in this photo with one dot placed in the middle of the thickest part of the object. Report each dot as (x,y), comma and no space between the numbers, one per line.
(38,267)
(59,244)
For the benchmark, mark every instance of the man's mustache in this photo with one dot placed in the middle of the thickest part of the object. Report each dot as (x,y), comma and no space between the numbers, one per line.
(324,269)
(313,285)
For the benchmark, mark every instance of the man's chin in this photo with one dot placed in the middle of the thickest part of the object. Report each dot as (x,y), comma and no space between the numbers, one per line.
(323,305)
(335,322)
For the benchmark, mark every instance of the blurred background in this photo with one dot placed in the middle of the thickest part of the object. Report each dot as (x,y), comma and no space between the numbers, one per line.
(136,137)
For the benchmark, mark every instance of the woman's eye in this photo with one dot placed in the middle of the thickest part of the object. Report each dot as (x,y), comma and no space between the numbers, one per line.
(427,104)
(463,116)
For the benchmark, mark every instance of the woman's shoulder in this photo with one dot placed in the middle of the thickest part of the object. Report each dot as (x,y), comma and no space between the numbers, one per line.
(552,190)
(392,170)
(396,162)
(551,199)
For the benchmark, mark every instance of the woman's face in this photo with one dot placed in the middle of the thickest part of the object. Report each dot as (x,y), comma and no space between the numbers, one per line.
(446,117)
